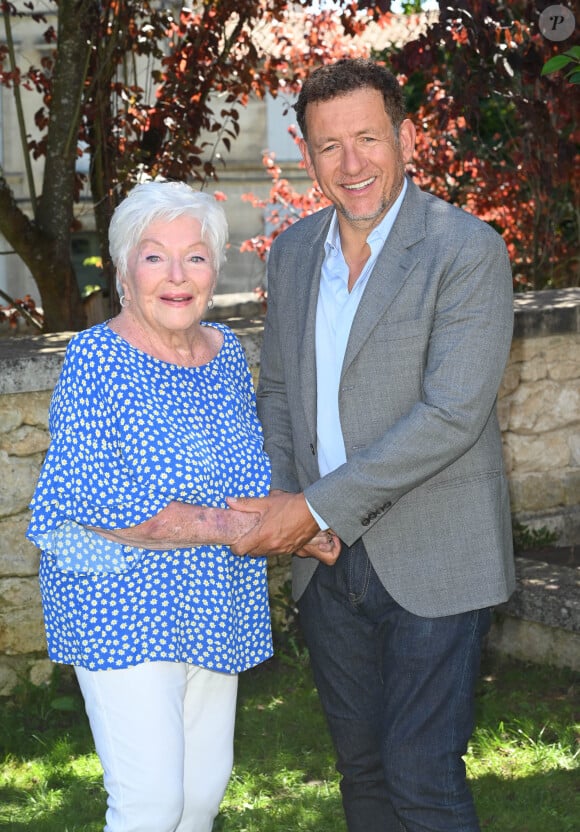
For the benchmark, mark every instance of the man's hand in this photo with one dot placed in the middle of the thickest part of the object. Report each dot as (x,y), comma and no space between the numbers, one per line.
(325,547)
(286,525)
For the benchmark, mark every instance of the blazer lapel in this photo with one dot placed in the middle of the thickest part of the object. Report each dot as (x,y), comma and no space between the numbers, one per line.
(394,263)
(307,321)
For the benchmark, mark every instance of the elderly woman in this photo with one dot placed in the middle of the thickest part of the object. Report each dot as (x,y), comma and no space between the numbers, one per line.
(153,425)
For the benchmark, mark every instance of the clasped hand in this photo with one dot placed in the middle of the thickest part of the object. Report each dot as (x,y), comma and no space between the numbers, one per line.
(285,526)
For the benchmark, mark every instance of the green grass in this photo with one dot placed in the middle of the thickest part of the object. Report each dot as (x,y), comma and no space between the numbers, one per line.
(523,762)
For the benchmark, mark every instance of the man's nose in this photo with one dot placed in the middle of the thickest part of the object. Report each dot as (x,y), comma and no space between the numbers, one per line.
(352,158)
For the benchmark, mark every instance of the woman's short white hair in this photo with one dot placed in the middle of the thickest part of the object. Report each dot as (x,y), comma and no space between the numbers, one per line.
(162,200)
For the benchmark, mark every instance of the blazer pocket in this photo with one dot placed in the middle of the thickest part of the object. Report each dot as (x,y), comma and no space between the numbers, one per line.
(460,482)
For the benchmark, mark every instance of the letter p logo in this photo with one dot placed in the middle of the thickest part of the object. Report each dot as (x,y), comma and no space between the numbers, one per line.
(557,23)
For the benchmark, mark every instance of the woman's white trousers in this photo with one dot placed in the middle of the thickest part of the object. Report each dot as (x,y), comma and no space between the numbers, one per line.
(164,734)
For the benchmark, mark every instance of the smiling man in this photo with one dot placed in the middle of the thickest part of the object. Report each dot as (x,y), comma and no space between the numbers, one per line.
(388,328)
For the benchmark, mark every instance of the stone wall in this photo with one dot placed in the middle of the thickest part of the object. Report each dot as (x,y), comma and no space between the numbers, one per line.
(541,621)
(539,411)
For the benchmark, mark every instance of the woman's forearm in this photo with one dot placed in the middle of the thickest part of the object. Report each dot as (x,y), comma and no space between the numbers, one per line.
(180,525)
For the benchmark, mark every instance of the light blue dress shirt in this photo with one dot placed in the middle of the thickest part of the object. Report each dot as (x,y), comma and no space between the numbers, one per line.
(334,316)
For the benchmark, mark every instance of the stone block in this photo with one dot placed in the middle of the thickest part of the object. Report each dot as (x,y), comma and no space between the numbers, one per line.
(574,443)
(539,501)
(564,522)
(534,370)
(529,412)
(25,441)
(565,369)
(536,492)
(18,556)
(529,453)
(8,679)
(21,623)
(34,407)
(19,476)
(549,313)
(532,642)
(571,483)
(10,416)
(41,672)
(503,414)
(510,381)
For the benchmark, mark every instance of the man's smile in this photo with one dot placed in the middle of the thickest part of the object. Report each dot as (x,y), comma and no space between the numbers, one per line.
(358,186)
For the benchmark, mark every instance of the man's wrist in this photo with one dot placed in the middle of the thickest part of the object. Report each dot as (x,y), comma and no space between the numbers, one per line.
(322,524)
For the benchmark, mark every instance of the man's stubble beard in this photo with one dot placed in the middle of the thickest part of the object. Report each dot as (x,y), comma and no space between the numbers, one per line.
(372,220)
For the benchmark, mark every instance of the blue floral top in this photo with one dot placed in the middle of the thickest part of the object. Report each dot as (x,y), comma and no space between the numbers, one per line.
(130,434)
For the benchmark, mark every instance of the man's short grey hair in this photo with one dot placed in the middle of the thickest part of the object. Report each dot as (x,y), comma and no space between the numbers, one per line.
(163,200)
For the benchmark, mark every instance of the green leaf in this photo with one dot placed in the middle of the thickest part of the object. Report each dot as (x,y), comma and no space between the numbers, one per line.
(574,77)
(555,63)
(574,52)
(65,703)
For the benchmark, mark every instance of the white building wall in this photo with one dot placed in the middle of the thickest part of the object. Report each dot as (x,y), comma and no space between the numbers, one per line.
(15,278)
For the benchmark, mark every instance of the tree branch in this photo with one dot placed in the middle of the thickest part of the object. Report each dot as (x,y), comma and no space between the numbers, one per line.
(19,107)
(22,309)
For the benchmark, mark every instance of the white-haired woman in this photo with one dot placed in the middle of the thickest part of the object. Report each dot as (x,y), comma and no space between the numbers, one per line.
(153,425)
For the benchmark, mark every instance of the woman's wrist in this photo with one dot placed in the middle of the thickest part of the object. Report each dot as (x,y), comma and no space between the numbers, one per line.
(231,525)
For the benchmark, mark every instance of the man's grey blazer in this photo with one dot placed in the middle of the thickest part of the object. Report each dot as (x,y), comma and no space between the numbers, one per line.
(424,483)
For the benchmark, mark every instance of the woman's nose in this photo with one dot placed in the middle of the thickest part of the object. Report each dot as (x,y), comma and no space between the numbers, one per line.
(176,271)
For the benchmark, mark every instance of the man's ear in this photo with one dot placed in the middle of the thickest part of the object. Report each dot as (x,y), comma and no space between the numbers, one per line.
(407,136)
(303,147)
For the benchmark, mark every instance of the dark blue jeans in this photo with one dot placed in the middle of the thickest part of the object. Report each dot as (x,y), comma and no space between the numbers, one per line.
(398,693)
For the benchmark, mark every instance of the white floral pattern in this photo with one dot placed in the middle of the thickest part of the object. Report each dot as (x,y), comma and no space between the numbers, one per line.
(130,434)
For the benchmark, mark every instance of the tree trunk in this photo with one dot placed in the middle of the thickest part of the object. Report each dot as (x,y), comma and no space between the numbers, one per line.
(103,181)
(56,280)
(40,254)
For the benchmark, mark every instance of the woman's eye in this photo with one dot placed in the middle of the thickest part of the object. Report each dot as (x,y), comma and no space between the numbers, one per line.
(197,258)
(152,258)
